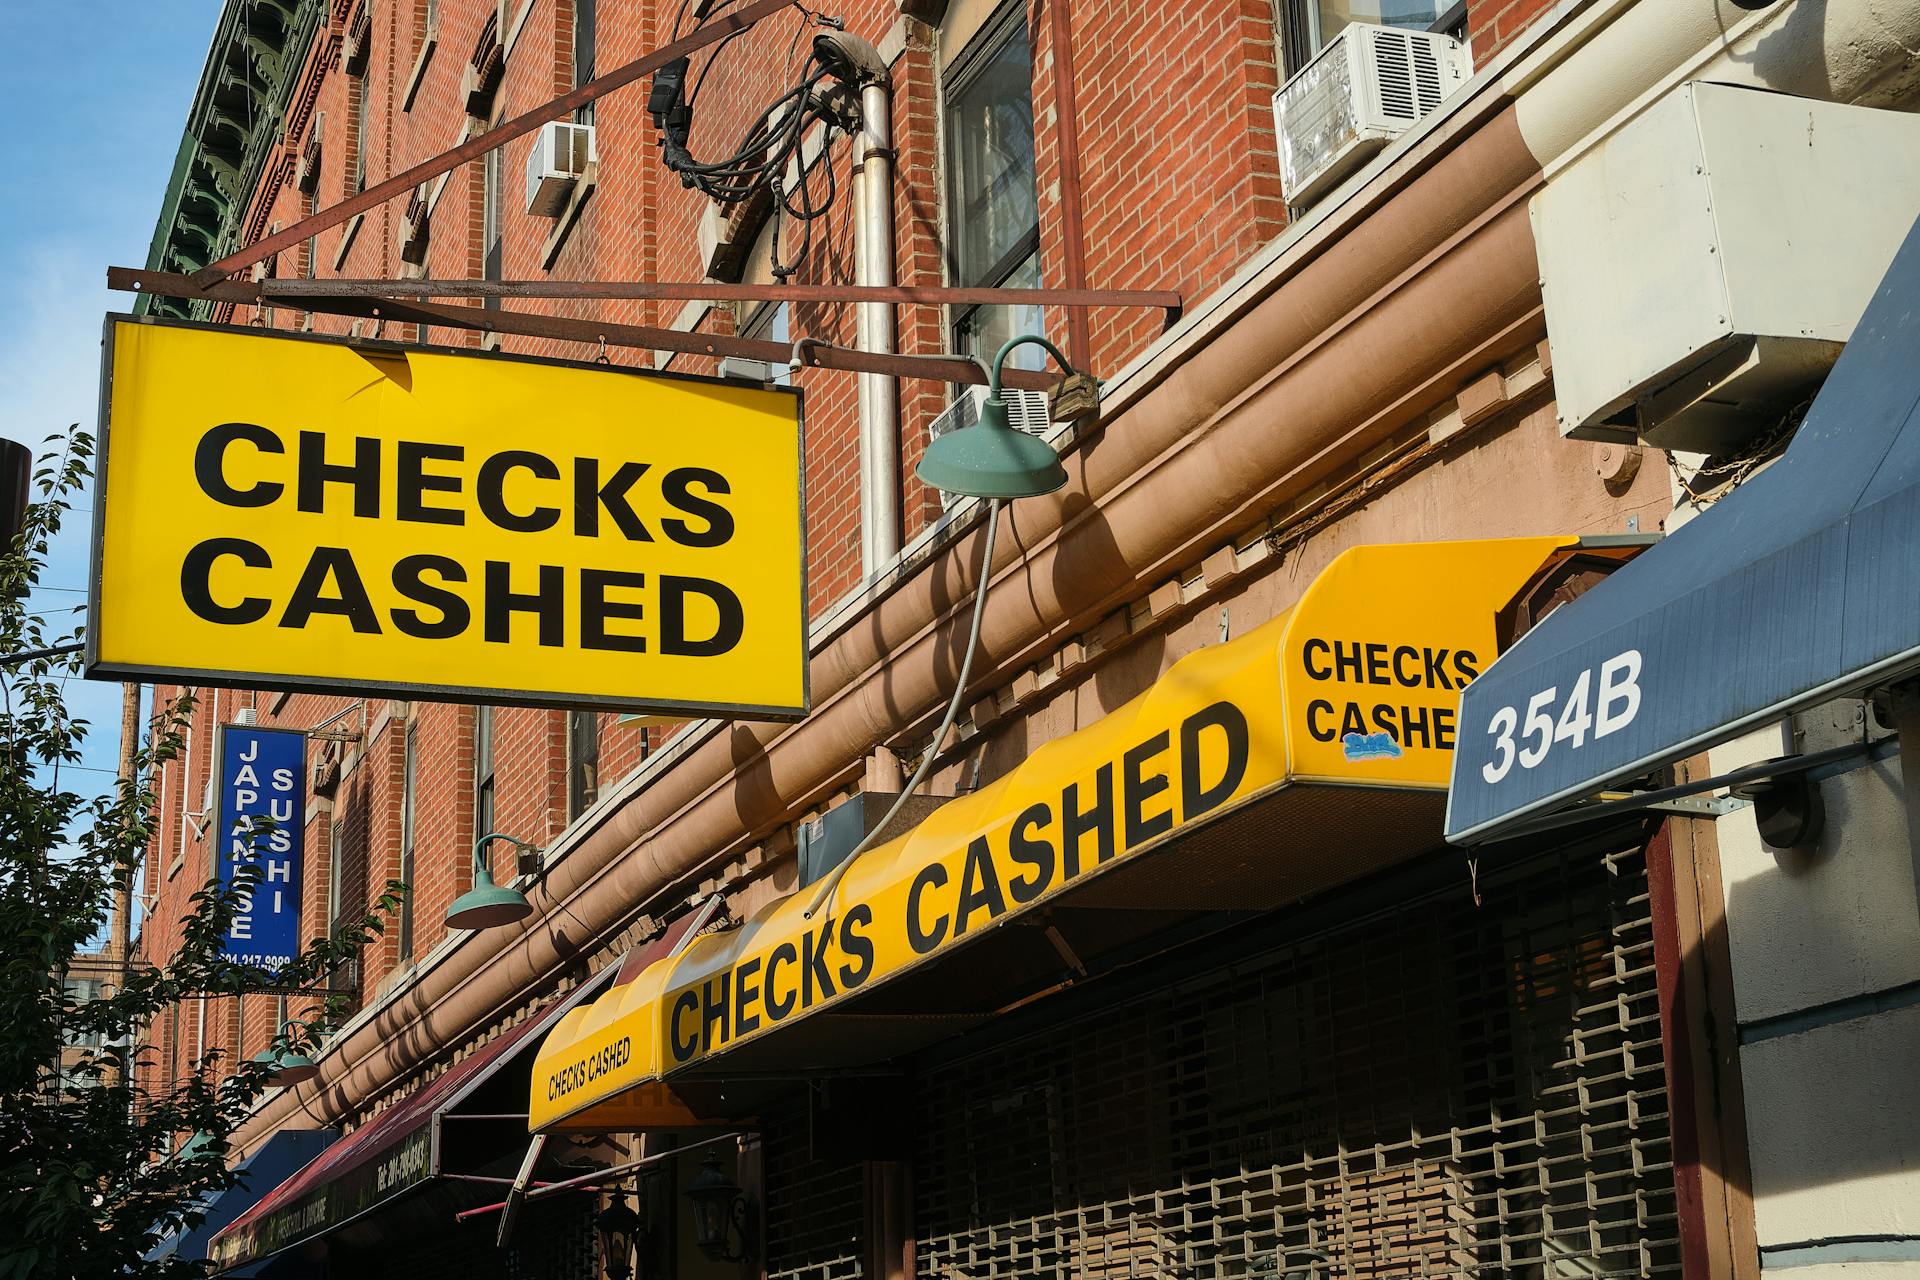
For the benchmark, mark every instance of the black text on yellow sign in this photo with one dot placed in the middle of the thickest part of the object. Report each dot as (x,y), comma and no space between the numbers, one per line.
(288,512)
(1151,786)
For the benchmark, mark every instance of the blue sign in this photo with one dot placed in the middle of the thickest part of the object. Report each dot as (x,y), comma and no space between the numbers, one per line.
(262,820)
(1797,587)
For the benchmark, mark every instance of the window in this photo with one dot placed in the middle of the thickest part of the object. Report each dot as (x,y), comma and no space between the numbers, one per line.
(408,822)
(584,20)
(490,264)
(583,761)
(356,134)
(83,991)
(773,323)
(336,866)
(992,202)
(1307,25)
(482,771)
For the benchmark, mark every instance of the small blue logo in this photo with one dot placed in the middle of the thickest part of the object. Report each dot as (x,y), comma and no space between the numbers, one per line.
(1370,746)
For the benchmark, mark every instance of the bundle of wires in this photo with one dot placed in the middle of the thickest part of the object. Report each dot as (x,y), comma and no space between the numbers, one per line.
(770,150)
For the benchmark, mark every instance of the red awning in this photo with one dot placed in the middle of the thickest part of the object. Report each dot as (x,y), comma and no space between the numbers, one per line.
(393,1153)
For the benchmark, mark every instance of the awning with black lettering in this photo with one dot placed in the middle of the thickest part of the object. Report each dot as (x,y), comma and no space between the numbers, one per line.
(465,1120)
(1254,772)
(1797,587)
(277,1159)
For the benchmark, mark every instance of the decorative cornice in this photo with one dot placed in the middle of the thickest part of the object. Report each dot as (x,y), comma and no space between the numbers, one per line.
(233,134)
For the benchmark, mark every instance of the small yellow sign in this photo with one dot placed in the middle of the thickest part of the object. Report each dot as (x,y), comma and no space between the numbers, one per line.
(284,511)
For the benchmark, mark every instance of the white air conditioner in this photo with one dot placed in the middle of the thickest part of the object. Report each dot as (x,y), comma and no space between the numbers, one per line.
(1368,86)
(560,155)
(1026,411)
(1704,266)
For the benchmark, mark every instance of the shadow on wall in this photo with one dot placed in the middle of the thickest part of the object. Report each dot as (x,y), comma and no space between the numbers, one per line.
(1825,947)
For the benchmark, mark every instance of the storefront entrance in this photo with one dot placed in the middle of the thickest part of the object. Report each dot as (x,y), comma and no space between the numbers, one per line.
(1393,1081)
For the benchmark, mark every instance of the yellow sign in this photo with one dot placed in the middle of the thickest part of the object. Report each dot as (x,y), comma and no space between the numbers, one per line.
(280,511)
(1357,685)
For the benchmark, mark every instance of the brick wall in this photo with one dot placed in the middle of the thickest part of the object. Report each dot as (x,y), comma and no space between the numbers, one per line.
(1179,187)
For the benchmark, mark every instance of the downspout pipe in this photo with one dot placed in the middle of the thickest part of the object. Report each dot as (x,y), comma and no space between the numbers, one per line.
(873,252)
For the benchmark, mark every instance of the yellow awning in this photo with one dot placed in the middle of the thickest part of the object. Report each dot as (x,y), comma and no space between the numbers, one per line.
(1346,702)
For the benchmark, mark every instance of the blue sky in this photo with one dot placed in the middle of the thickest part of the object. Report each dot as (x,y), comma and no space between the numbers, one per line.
(95,97)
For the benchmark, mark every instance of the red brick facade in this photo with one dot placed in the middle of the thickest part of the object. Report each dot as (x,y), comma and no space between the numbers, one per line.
(1179,185)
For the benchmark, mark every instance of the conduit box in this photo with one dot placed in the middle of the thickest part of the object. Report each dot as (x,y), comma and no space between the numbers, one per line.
(1703,266)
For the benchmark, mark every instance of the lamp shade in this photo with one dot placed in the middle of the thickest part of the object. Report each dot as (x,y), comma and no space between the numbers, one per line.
(290,1067)
(992,460)
(487,904)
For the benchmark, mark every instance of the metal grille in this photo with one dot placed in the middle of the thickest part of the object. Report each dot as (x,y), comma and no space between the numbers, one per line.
(1438,1090)
(815,1208)
(553,1241)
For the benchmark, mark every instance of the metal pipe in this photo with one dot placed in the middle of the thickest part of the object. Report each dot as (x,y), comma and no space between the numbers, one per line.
(604,333)
(715,291)
(599,1177)
(873,266)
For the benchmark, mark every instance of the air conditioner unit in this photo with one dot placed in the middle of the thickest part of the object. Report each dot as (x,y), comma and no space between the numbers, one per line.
(560,155)
(1026,411)
(1703,266)
(1368,86)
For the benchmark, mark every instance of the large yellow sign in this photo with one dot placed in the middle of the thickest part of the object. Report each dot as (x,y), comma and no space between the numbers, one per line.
(1356,686)
(279,511)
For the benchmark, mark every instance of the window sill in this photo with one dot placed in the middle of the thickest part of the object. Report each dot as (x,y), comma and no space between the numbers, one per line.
(419,72)
(563,225)
(346,239)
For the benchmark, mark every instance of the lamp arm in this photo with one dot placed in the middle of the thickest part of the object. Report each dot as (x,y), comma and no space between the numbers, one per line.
(1021,341)
(480,846)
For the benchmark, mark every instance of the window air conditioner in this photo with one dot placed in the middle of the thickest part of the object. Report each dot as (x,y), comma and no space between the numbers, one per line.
(560,155)
(1026,410)
(1367,87)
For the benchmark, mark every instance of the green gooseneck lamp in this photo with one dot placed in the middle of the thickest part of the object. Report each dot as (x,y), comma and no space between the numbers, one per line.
(289,1065)
(990,459)
(488,904)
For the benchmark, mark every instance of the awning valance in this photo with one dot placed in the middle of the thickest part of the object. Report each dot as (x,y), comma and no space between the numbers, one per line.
(1801,585)
(277,1159)
(1338,716)
(399,1151)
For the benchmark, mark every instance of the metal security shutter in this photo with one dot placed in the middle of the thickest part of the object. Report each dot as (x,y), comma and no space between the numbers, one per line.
(1437,1090)
(815,1208)
(554,1240)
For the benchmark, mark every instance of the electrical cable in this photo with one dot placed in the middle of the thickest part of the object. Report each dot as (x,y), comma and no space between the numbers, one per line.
(939,735)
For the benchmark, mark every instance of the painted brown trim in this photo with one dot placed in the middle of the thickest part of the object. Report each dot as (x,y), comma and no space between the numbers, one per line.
(1707,1114)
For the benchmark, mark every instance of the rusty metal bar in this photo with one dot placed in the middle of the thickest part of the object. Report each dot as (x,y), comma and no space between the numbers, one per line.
(1073,257)
(710,291)
(475,147)
(599,1177)
(588,332)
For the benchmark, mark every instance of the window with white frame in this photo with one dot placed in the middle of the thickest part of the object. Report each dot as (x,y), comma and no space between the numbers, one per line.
(583,761)
(482,771)
(492,257)
(585,17)
(1305,26)
(993,204)
(773,322)
(409,821)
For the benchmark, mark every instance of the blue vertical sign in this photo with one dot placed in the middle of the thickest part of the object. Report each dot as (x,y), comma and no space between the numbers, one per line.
(262,818)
